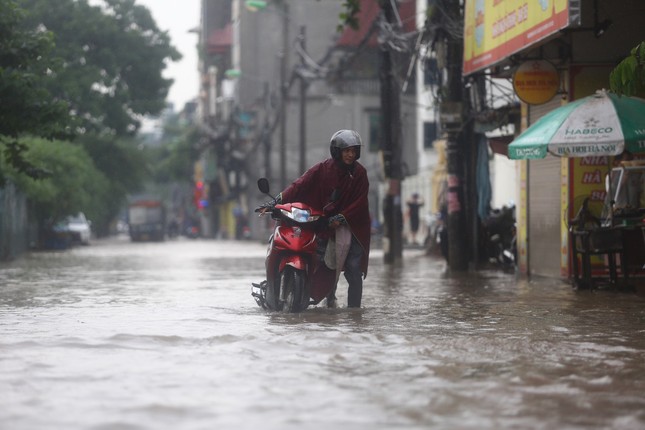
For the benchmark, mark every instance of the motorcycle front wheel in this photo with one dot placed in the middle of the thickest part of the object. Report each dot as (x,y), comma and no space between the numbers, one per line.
(294,296)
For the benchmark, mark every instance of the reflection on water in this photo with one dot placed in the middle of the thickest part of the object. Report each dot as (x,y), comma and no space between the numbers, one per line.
(153,336)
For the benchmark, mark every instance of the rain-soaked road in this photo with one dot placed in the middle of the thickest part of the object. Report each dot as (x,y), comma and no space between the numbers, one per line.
(166,336)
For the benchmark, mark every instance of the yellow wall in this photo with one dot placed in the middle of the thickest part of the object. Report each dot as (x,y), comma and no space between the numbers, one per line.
(585,176)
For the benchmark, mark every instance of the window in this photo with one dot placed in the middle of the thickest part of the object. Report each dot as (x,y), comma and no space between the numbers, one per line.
(374,137)
(430,72)
(429,134)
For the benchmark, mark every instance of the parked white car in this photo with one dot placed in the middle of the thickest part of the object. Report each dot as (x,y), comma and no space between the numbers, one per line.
(79,228)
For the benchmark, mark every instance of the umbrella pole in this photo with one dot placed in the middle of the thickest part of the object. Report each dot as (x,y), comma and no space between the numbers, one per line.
(610,200)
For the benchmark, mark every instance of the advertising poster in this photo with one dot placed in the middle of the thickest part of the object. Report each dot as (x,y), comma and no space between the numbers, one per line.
(587,174)
(496,29)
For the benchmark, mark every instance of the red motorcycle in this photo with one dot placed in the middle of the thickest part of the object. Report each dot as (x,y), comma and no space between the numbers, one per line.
(296,278)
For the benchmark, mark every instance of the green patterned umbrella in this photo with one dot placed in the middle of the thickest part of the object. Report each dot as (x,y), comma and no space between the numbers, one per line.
(601,124)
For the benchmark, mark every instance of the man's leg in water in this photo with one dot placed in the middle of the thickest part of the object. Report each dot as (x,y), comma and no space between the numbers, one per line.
(321,247)
(354,275)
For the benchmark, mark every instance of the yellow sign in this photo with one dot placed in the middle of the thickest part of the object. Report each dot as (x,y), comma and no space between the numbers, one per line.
(495,29)
(536,82)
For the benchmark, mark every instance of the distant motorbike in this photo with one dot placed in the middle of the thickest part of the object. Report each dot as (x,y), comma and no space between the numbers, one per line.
(436,241)
(295,278)
(192,232)
(173,229)
(501,236)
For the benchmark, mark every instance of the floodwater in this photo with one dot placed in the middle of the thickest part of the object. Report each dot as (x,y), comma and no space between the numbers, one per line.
(130,336)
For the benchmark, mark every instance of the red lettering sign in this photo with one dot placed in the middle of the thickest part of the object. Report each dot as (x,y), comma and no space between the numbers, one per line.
(593,161)
(592,177)
(598,195)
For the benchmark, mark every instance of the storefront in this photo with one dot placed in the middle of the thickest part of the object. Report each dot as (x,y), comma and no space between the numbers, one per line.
(577,39)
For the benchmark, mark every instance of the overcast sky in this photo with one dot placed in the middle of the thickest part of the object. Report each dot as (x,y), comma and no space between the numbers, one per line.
(178,17)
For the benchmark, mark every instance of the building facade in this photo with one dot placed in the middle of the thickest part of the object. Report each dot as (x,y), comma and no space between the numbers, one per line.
(278,79)
(583,40)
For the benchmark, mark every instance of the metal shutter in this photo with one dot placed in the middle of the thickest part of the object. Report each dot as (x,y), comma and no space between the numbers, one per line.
(544,206)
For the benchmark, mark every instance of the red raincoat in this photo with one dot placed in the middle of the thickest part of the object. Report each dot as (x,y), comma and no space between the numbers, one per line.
(316,186)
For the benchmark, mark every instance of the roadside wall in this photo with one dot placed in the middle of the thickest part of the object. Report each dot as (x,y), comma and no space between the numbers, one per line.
(13,223)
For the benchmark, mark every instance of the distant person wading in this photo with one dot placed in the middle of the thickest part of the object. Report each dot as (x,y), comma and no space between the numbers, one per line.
(414,206)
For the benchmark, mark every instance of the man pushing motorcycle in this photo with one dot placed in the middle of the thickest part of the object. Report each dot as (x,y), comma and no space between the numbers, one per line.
(348,216)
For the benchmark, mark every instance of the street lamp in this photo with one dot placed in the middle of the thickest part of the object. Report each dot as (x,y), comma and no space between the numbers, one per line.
(255,5)
(233,73)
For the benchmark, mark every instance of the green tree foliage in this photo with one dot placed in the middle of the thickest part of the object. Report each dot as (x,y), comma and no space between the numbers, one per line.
(74,184)
(174,158)
(628,77)
(103,64)
(125,167)
(26,106)
(113,57)
(348,17)
(171,159)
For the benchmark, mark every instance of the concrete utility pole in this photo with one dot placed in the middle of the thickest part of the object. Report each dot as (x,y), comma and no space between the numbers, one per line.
(303,103)
(266,134)
(451,115)
(284,87)
(391,133)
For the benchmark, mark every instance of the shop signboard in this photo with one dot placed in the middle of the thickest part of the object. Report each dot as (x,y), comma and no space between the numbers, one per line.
(586,174)
(496,29)
(536,82)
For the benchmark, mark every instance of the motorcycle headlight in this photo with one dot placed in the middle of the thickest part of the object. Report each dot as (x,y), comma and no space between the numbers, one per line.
(300,215)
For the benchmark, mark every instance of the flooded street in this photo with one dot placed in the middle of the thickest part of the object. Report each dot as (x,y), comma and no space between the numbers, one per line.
(167,336)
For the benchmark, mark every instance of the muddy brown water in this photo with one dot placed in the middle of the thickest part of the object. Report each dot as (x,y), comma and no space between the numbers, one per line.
(119,335)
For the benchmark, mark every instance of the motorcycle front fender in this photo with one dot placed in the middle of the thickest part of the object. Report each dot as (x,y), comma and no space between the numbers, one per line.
(296,261)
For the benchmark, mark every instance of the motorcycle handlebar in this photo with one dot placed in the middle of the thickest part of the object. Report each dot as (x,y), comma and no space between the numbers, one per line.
(322,222)
(264,209)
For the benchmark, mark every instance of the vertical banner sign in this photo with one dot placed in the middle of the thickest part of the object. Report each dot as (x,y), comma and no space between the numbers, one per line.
(564,221)
(452,196)
(496,29)
(587,174)
(523,218)
(522,167)
(587,180)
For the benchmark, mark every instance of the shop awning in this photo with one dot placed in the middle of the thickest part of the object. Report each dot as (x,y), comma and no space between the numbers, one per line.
(220,40)
(499,144)
(368,13)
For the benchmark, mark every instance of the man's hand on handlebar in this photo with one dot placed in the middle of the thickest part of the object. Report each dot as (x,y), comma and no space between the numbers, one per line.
(270,205)
(336,221)
(266,207)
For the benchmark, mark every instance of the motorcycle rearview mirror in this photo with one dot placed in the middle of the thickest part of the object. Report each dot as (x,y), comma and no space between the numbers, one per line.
(263,185)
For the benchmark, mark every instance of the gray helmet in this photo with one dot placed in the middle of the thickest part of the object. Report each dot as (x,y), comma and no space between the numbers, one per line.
(343,139)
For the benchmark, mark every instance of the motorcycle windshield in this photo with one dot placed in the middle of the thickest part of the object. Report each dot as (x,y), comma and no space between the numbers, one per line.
(299,215)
